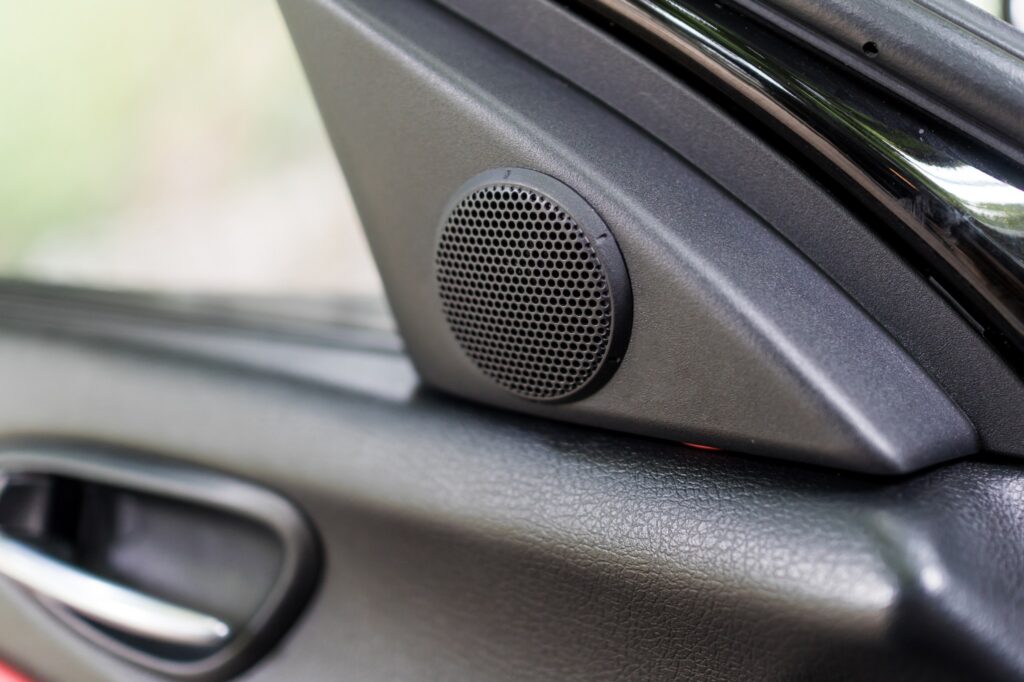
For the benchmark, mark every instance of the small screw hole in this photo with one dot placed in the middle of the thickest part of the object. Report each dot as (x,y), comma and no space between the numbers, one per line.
(870,48)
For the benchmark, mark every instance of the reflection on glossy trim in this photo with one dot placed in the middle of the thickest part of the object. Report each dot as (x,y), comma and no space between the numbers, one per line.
(962,202)
(118,607)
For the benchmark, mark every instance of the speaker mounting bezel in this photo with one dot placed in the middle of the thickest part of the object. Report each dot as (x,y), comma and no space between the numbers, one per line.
(602,242)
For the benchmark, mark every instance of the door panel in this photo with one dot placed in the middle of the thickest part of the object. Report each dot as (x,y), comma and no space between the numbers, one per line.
(461,544)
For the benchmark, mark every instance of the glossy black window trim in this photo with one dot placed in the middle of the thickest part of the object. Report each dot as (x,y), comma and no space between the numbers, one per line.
(742,68)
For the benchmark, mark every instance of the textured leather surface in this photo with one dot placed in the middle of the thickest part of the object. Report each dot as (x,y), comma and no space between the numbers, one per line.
(464,543)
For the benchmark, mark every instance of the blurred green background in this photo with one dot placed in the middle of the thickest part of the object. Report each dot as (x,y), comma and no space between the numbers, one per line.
(150,144)
(172,146)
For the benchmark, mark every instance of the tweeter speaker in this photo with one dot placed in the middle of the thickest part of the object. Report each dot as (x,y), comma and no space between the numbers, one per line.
(533,285)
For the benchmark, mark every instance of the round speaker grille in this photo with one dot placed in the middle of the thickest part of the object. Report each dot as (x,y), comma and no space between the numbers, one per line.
(532,285)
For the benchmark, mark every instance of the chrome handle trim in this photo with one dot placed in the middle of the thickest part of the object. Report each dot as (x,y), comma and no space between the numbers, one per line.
(105,602)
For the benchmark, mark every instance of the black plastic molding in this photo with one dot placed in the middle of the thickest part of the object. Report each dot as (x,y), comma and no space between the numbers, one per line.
(738,341)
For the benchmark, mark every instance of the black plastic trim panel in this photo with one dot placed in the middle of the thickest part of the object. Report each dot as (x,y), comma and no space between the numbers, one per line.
(744,155)
(737,341)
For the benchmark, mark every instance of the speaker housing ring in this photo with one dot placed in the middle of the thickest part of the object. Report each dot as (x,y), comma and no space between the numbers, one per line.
(480,320)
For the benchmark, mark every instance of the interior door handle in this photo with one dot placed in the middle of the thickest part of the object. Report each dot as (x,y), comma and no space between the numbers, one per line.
(106,602)
(189,573)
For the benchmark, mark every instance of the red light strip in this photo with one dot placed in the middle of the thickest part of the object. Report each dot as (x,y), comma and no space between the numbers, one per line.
(9,674)
(695,446)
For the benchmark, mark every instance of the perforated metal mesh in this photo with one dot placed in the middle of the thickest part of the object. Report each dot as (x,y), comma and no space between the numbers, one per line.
(524,291)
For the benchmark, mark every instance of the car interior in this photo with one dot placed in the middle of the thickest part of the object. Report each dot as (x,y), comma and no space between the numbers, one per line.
(691,345)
